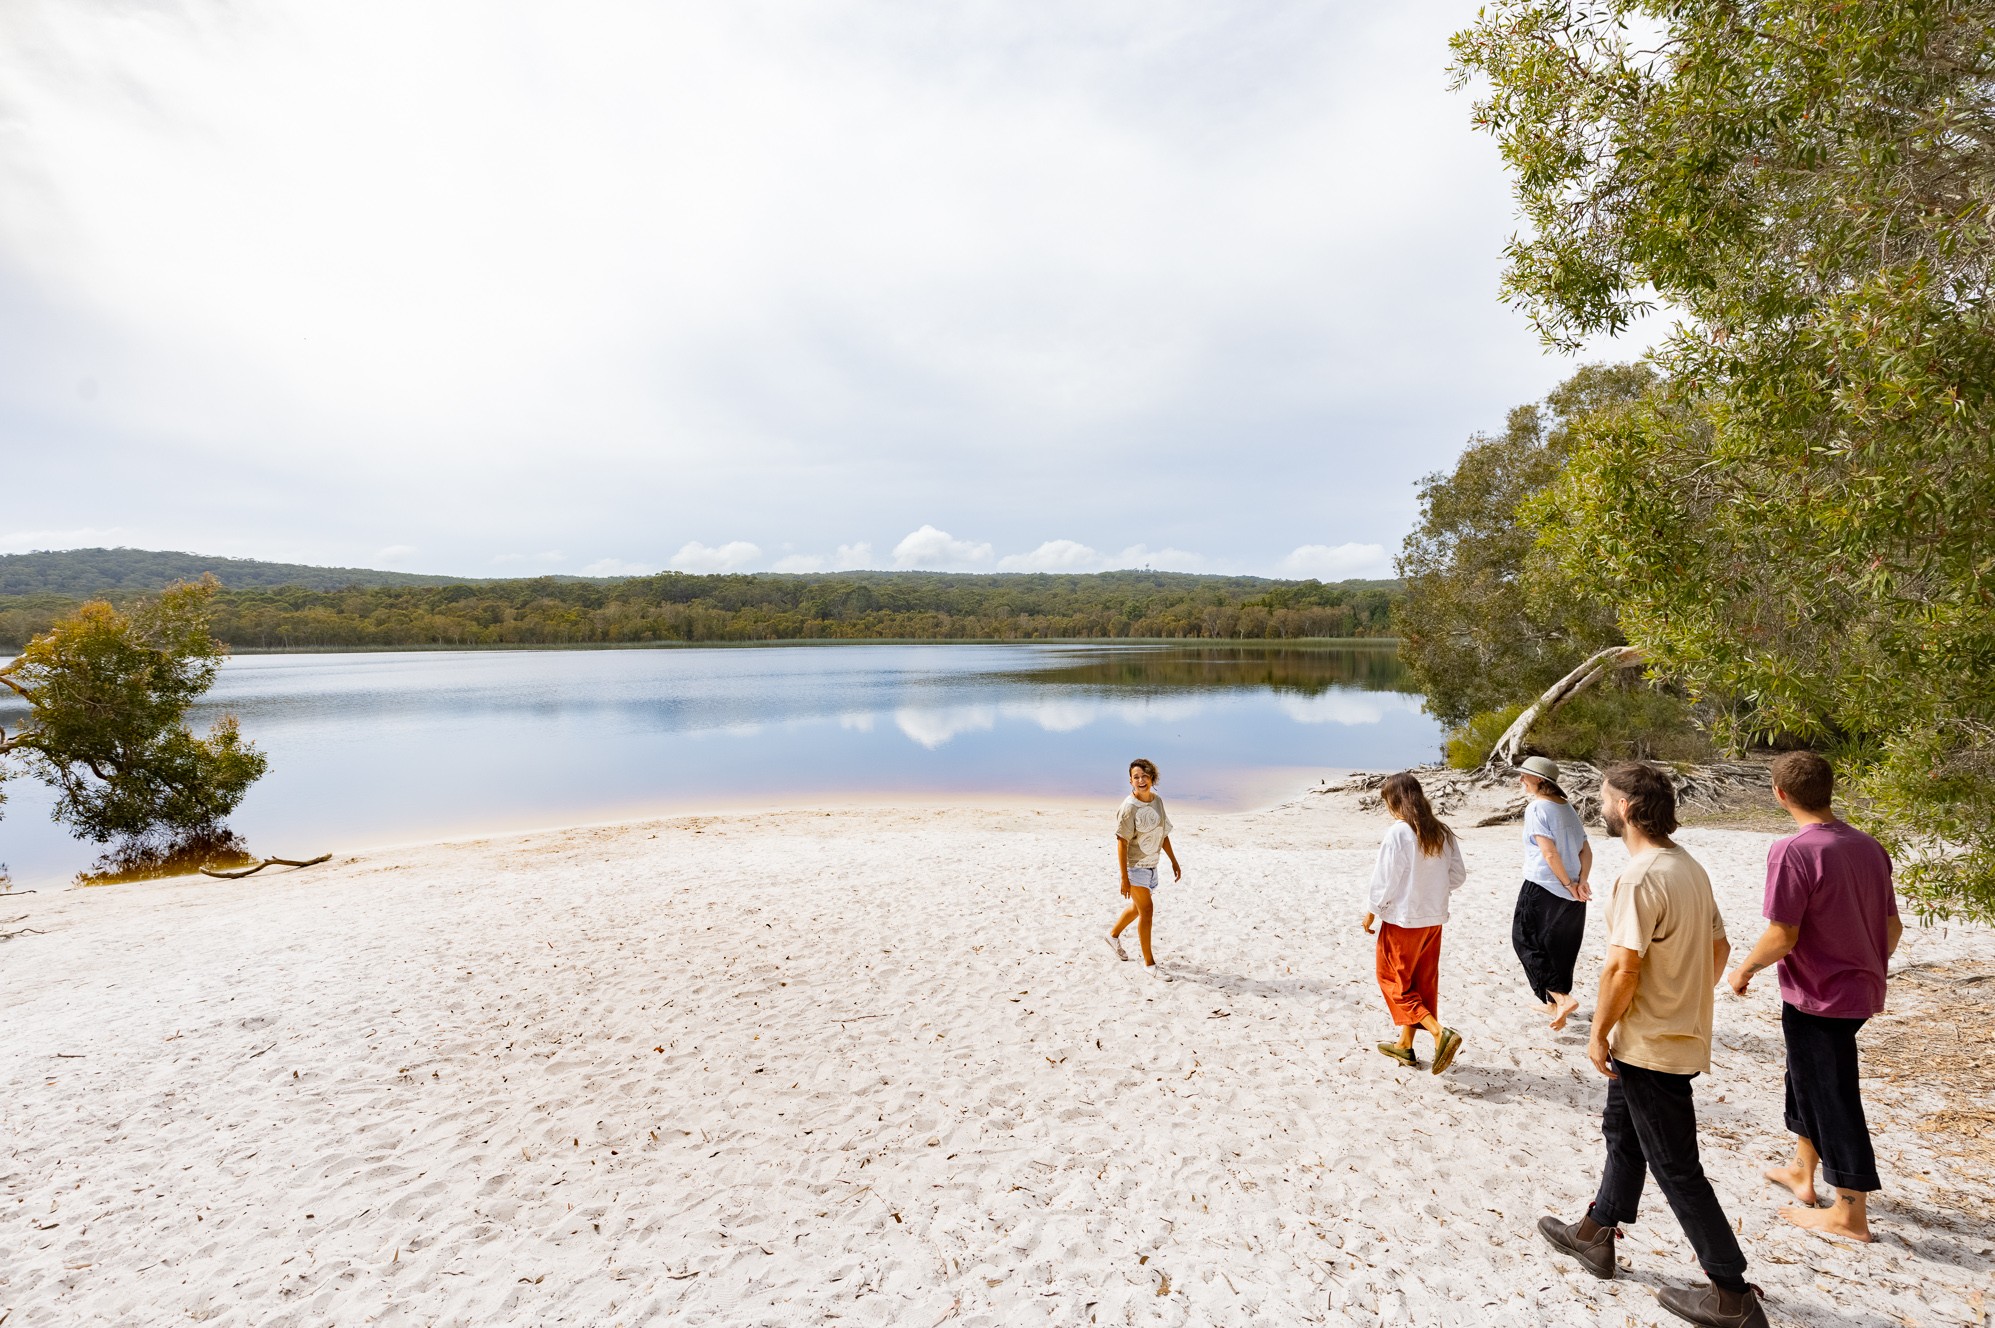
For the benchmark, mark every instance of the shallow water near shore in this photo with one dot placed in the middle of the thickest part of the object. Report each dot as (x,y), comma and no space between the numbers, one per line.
(378,748)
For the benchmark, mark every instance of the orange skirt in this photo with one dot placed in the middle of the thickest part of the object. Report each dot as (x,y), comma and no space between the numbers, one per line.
(1409,972)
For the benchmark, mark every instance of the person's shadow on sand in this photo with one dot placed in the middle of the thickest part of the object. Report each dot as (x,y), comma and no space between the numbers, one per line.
(1239,985)
(1502,1083)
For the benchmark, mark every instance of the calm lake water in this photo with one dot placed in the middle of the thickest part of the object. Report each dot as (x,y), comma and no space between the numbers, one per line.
(382,748)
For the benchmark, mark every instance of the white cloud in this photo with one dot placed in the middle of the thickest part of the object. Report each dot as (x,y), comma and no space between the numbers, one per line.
(939,551)
(1159,560)
(848,556)
(1060,555)
(1339,562)
(395,553)
(798,271)
(545,558)
(732,556)
(1064,716)
(1345,707)
(617,567)
(933,727)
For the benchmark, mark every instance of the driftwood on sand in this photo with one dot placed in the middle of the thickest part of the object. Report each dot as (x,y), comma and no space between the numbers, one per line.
(267,862)
(1715,788)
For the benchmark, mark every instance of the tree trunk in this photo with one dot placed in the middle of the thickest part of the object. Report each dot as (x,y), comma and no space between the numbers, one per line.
(1565,689)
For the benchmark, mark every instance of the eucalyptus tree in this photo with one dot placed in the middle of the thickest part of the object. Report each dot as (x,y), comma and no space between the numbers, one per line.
(1798,518)
(1487,618)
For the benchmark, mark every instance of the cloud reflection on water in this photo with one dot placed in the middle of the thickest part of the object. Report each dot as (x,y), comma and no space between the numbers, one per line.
(374,748)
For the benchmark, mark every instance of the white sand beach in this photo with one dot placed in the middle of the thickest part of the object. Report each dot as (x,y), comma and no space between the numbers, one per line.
(868,1066)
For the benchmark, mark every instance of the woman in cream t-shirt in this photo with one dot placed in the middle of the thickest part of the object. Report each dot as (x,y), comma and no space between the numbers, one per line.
(1142,830)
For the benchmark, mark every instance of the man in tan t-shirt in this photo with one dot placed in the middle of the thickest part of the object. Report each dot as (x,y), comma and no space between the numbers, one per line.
(1666,950)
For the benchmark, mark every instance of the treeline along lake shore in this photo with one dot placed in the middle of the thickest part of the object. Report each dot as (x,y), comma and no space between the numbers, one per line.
(686,608)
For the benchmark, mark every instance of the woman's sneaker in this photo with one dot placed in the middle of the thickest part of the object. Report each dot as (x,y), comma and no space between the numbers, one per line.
(1444,1050)
(1115,944)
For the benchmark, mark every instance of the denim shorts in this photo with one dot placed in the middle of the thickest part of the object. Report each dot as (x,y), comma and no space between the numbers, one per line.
(1145,877)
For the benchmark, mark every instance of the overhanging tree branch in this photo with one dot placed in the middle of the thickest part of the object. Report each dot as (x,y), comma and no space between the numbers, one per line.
(1597,666)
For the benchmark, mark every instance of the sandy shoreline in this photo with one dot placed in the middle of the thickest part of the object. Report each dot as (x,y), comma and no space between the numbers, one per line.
(866,1065)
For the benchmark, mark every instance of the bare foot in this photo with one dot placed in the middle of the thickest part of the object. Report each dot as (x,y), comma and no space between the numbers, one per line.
(1835,1220)
(1795,1181)
(1561,1007)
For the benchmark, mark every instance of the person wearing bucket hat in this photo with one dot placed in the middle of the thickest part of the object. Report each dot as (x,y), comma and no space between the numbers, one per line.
(1550,920)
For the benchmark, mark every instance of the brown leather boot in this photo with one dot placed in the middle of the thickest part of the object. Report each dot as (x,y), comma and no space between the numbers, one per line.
(1715,1306)
(1596,1254)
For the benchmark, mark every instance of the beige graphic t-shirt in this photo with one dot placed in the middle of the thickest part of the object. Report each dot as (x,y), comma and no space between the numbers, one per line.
(1146,825)
(1662,909)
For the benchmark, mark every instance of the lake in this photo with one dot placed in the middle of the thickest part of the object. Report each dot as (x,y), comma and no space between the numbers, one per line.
(369,749)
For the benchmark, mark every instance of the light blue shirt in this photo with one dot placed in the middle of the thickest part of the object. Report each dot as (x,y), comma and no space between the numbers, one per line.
(1561,824)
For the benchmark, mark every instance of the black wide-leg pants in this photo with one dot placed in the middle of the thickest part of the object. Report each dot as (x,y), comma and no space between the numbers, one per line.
(1546,932)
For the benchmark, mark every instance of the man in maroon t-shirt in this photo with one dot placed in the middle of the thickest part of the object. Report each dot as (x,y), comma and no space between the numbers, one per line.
(1832,925)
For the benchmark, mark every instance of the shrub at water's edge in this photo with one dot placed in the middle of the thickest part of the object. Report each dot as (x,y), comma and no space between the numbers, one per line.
(107,694)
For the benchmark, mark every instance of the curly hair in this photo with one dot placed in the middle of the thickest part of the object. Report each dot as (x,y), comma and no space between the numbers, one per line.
(1147,766)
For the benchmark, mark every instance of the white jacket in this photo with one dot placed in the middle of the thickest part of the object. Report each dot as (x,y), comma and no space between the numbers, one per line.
(1409,888)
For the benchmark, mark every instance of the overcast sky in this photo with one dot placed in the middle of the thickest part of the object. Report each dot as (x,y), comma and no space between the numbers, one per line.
(496,289)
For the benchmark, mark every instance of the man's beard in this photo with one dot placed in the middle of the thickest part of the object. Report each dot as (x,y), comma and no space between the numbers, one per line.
(1615,825)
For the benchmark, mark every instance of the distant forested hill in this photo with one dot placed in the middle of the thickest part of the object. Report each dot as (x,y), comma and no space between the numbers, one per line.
(677,607)
(106,571)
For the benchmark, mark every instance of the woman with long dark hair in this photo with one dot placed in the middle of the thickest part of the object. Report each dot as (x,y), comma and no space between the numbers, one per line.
(1419,866)
(1550,921)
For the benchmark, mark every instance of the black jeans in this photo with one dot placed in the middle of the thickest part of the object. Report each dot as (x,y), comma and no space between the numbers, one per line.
(1650,1124)
(1546,931)
(1824,1105)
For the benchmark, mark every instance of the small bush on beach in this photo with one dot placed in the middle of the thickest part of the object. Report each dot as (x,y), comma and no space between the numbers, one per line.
(108,692)
(1470,745)
(1637,723)
(1622,724)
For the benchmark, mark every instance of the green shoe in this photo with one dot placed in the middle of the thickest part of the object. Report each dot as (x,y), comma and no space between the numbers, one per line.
(1404,1055)
(1445,1049)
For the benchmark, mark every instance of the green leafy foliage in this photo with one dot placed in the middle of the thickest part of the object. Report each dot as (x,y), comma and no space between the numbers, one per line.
(676,607)
(71,573)
(1795,524)
(1470,745)
(1487,617)
(1617,722)
(1634,722)
(107,695)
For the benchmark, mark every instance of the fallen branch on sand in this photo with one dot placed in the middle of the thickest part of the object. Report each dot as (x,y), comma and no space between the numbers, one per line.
(267,862)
